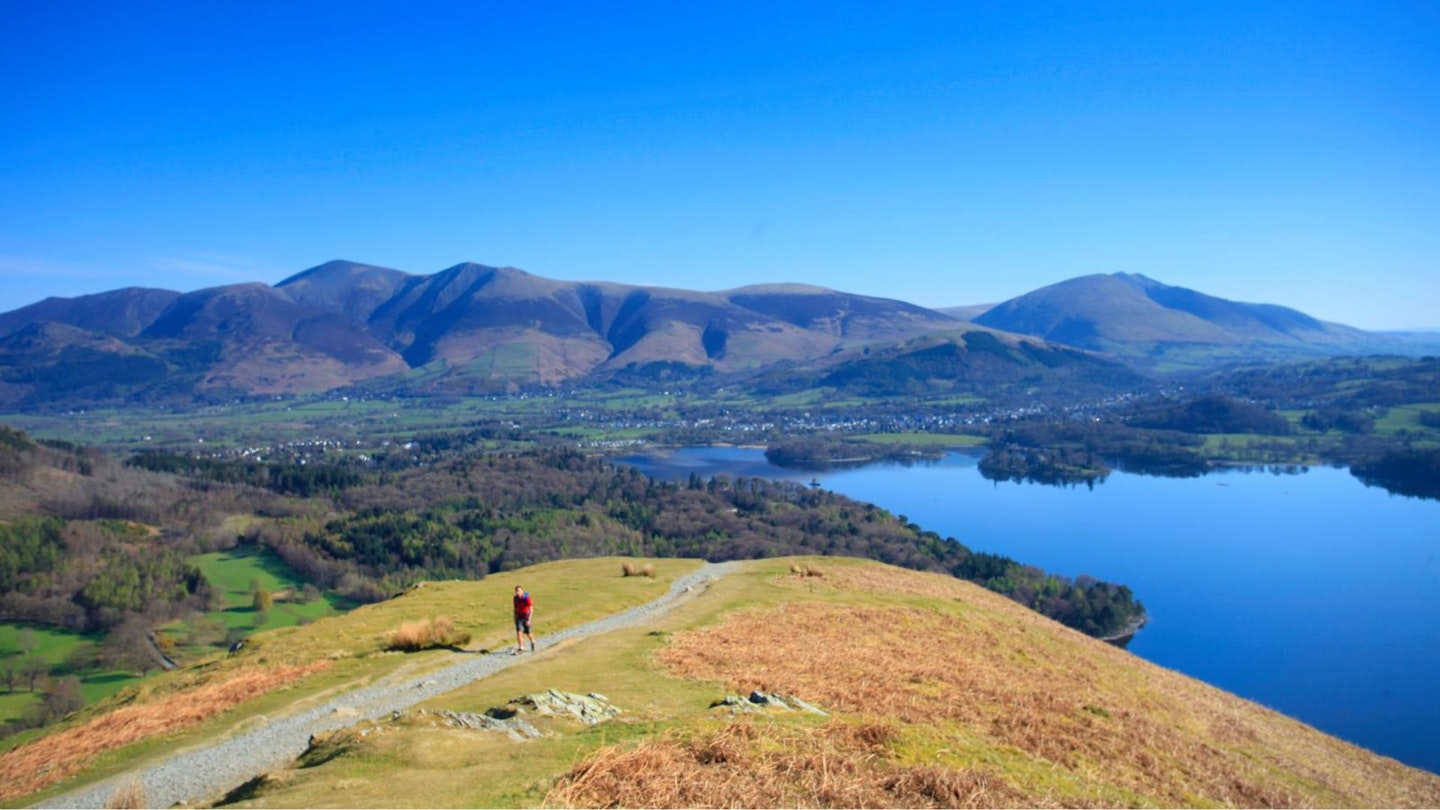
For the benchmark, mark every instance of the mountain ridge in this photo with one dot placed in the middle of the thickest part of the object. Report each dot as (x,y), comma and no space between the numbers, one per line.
(482,327)
(475,328)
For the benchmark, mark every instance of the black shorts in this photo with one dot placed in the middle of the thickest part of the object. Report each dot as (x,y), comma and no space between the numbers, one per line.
(522,624)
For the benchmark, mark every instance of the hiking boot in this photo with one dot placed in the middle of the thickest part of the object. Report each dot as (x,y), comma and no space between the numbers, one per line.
(532,646)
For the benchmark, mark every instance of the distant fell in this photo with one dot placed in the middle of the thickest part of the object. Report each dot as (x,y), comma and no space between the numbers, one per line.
(1133,316)
(969,312)
(348,289)
(968,362)
(474,328)
(122,313)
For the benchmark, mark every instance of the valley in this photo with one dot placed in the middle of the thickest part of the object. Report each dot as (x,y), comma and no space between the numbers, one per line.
(187,474)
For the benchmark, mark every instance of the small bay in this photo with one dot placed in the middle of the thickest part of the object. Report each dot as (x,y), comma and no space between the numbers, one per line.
(1309,593)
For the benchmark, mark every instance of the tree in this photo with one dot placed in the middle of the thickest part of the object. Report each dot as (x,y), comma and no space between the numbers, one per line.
(233,635)
(63,697)
(32,670)
(128,647)
(261,600)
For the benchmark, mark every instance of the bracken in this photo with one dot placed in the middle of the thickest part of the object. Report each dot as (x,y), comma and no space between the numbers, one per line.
(48,760)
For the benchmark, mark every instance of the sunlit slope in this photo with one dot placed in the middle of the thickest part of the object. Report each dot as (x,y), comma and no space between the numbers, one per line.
(286,671)
(938,693)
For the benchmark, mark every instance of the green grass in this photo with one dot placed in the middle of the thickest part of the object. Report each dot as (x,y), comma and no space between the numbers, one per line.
(1008,657)
(232,572)
(48,644)
(940,439)
(446,768)
(603,434)
(801,399)
(517,361)
(53,647)
(567,593)
(1406,417)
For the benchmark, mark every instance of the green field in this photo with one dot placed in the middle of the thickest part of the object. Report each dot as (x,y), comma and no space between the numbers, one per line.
(935,439)
(1406,417)
(232,573)
(229,572)
(54,647)
(567,593)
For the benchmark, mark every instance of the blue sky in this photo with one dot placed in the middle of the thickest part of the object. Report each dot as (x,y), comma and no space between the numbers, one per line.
(947,153)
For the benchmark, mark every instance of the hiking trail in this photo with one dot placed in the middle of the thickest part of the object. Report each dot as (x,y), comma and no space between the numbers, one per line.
(212,770)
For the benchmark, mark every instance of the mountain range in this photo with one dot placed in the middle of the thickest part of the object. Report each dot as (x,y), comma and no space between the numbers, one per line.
(475,328)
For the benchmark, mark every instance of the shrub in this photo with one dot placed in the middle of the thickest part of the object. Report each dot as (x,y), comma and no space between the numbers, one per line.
(129,795)
(648,570)
(627,569)
(426,634)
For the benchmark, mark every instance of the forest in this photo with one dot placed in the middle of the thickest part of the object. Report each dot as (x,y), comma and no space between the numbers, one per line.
(1048,451)
(94,545)
(1405,470)
(818,452)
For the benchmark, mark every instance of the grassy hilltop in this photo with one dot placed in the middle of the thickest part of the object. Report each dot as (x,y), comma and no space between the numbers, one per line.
(936,692)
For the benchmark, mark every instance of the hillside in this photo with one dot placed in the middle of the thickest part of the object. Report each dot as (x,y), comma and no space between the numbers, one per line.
(894,688)
(478,329)
(978,361)
(121,313)
(1133,316)
(469,328)
(349,289)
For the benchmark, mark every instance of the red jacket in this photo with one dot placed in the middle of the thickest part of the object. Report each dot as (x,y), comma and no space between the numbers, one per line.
(523,605)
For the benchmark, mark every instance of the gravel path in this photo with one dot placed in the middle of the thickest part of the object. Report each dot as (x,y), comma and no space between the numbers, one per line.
(211,771)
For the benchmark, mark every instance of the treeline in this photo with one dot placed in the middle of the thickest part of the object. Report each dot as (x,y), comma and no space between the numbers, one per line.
(977,363)
(285,478)
(817,452)
(1054,466)
(91,576)
(451,516)
(1351,383)
(1404,470)
(1210,414)
(1056,452)
(1340,419)
(1084,603)
(485,513)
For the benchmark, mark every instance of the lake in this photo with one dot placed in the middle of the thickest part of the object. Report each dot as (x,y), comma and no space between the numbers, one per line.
(1311,594)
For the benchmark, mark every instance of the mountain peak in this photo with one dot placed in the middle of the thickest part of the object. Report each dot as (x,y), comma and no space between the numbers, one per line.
(1132,314)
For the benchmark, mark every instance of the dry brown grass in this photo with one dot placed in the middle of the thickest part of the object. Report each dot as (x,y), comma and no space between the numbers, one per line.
(426,634)
(629,569)
(744,765)
(1010,678)
(129,796)
(48,760)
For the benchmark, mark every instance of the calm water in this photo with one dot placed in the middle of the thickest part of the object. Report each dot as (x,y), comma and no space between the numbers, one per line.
(1311,594)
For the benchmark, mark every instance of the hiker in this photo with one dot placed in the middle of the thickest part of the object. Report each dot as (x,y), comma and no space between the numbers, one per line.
(524,607)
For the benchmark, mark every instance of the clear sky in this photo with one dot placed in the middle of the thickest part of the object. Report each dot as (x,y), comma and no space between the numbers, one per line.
(943,153)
